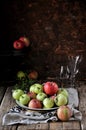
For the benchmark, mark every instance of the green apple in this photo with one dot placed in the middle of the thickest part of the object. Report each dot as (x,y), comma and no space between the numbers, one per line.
(36,88)
(63,91)
(17,93)
(21,75)
(48,103)
(60,100)
(41,96)
(24,99)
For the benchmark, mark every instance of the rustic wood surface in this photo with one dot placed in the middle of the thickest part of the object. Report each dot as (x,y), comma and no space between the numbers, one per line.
(8,103)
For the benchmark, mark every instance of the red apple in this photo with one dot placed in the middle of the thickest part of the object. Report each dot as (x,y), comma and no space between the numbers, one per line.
(34,103)
(25,40)
(18,44)
(33,75)
(64,113)
(32,95)
(50,88)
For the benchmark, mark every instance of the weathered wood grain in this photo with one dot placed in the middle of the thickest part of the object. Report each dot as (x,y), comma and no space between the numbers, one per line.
(2,91)
(82,104)
(34,127)
(6,104)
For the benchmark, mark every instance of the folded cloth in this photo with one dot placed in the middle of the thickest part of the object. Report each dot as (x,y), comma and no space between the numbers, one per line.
(17,115)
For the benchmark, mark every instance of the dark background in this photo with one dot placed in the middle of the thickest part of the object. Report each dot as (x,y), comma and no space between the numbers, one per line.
(56,29)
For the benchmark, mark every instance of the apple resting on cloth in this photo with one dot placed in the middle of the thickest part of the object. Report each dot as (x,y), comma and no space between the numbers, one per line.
(64,113)
(50,88)
(18,44)
(35,103)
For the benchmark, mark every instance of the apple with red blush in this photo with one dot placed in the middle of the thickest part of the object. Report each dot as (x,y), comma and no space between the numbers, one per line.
(50,88)
(53,97)
(33,75)
(31,95)
(18,44)
(64,113)
(35,103)
(25,40)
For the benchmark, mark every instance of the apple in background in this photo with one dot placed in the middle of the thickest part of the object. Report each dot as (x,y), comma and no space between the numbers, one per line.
(64,113)
(17,93)
(41,96)
(20,75)
(50,88)
(33,75)
(48,103)
(63,91)
(36,88)
(61,100)
(24,99)
(25,40)
(35,103)
(18,44)
(31,95)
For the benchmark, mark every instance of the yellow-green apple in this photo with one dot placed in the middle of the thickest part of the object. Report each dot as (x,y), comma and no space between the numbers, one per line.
(61,100)
(63,91)
(18,44)
(50,88)
(36,88)
(35,103)
(64,113)
(17,93)
(20,75)
(41,96)
(48,103)
(25,40)
(24,99)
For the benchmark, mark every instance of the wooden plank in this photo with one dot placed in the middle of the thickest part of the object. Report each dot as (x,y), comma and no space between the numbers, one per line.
(6,104)
(72,125)
(43,126)
(82,104)
(56,126)
(2,91)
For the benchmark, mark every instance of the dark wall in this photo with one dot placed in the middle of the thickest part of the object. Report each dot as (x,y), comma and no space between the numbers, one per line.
(56,29)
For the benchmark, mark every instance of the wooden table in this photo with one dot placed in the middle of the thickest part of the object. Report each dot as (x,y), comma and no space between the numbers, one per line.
(7,102)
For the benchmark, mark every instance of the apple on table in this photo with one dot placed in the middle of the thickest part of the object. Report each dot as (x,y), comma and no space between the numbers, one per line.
(64,113)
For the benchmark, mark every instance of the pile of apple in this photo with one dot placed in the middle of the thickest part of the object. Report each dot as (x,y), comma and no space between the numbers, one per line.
(47,95)
(21,43)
